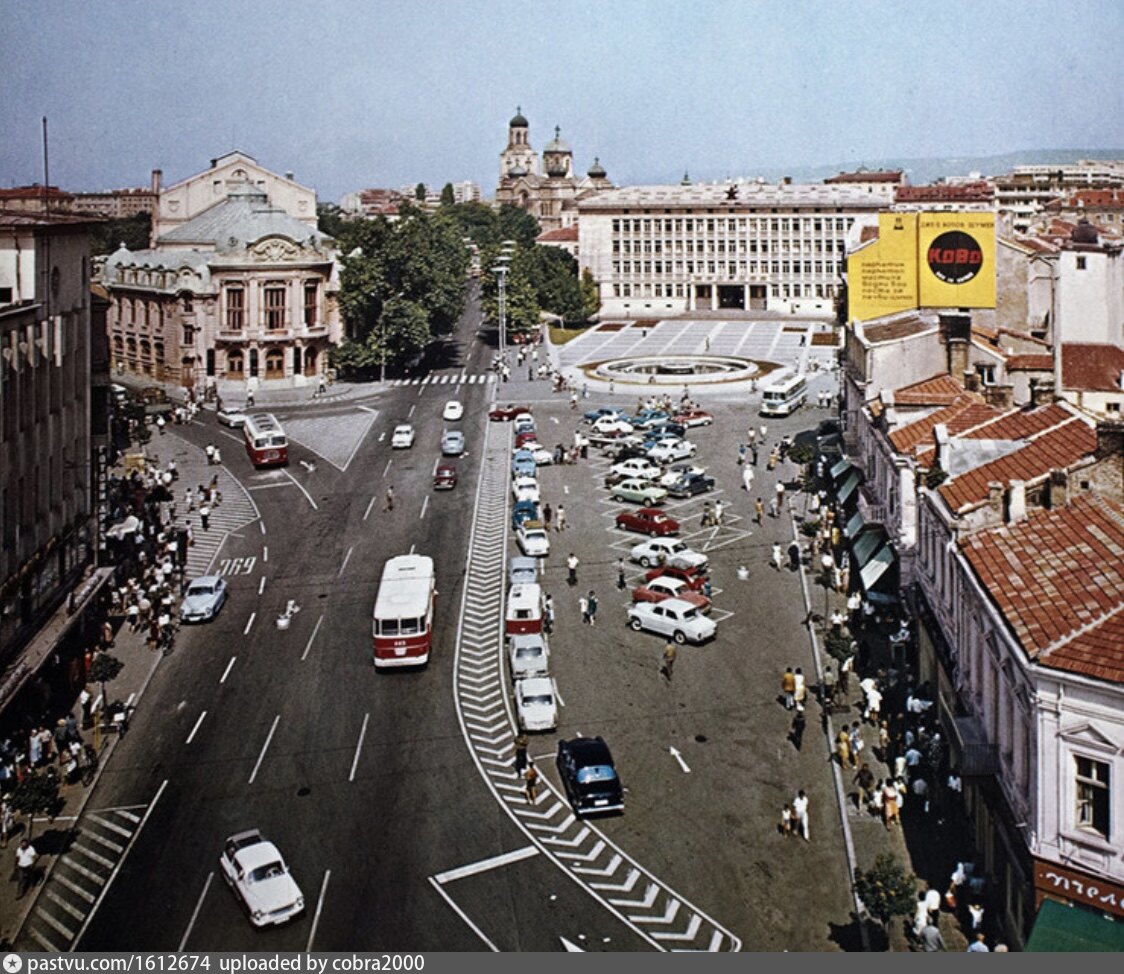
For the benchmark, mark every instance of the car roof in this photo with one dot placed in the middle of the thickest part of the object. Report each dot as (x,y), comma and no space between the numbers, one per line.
(523,639)
(209,579)
(259,854)
(537,684)
(681,604)
(588,750)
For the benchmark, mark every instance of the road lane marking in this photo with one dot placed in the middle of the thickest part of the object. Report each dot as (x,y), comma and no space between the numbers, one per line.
(484,865)
(191,736)
(249,622)
(261,585)
(229,667)
(195,912)
(315,630)
(464,916)
(307,495)
(319,907)
(367,513)
(346,559)
(410,414)
(386,469)
(261,524)
(359,747)
(265,552)
(425,504)
(265,747)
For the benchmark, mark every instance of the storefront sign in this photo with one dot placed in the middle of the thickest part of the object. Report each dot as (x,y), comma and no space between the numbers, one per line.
(1075,887)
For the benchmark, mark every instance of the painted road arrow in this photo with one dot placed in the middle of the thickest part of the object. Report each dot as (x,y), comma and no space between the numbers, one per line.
(679,757)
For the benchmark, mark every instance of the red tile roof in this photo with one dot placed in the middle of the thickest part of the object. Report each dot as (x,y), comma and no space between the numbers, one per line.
(1028,362)
(937,390)
(1093,198)
(1058,579)
(978,191)
(1058,448)
(1092,368)
(563,234)
(893,330)
(863,176)
(968,411)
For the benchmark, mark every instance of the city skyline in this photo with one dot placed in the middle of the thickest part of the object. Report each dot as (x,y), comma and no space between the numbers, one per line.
(651,89)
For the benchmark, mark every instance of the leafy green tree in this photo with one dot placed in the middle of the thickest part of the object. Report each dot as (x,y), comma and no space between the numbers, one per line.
(420,192)
(839,646)
(886,889)
(104,669)
(448,197)
(591,296)
(37,794)
(935,476)
(133,232)
(329,219)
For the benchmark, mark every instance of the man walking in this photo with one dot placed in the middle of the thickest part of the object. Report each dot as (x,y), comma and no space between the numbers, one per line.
(572,569)
(800,812)
(26,857)
(531,782)
(547,515)
(778,557)
(561,518)
(389,505)
(788,688)
(621,583)
(592,607)
(548,614)
(204,515)
(758,510)
(667,665)
(583,607)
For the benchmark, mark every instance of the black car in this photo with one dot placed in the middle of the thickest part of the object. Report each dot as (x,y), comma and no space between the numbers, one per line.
(691,485)
(589,776)
(670,425)
(620,454)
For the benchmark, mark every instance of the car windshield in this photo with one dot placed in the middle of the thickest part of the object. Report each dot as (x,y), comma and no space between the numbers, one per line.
(270,870)
(596,772)
(528,652)
(200,588)
(677,547)
(537,700)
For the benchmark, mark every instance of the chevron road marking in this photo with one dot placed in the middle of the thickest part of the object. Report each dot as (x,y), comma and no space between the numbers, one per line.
(598,848)
(668,915)
(689,934)
(625,887)
(645,903)
(573,843)
(553,810)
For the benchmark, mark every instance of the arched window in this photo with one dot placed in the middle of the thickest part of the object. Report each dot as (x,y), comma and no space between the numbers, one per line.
(235,366)
(310,361)
(274,364)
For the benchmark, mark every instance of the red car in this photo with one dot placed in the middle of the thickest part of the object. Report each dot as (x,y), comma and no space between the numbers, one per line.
(445,477)
(505,414)
(648,520)
(524,438)
(666,587)
(694,417)
(694,580)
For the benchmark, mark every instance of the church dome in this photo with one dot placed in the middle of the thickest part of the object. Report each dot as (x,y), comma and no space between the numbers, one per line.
(518,121)
(556,144)
(515,170)
(597,171)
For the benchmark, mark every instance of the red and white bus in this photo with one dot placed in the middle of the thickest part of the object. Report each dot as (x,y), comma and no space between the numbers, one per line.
(403,616)
(266,443)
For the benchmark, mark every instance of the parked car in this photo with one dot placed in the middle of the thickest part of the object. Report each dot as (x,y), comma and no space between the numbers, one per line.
(691,485)
(638,491)
(585,765)
(647,418)
(543,456)
(525,488)
(694,417)
(636,467)
(648,520)
(445,477)
(671,450)
(505,414)
(522,570)
(255,869)
(526,510)
(674,552)
(610,426)
(535,706)
(526,438)
(677,471)
(203,599)
(659,589)
(403,437)
(524,423)
(621,450)
(676,619)
(523,463)
(694,578)
(532,539)
(595,414)
(231,416)
(452,443)
(453,410)
(652,437)
(528,655)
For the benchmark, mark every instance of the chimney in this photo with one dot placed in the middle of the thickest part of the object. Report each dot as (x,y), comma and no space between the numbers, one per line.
(995,497)
(289,175)
(1016,502)
(940,435)
(1003,397)
(958,335)
(157,176)
(972,381)
(787,181)
(1058,494)
(1041,393)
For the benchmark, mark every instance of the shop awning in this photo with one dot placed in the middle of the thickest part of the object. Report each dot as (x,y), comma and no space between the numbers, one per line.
(1059,928)
(873,569)
(849,487)
(840,468)
(865,546)
(854,526)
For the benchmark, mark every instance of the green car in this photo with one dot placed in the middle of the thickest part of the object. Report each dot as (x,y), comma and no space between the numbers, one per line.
(639,492)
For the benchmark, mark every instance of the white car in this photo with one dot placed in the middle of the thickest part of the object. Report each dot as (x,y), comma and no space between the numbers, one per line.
(535,706)
(453,410)
(255,869)
(668,451)
(524,423)
(403,437)
(675,552)
(231,416)
(529,655)
(678,472)
(636,467)
(611,426)
(543,456)
(533,539)
(525,488)
(673,618)
(203,599)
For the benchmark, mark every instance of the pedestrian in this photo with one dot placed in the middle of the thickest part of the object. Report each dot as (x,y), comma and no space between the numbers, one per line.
(747,478)
(778,557)
(389,505)
(845,672)
(561,518)
(774,507)
(250,398)
(931,939)
(857,742)
(979,945)
(189,496)
(160,424)
(204,516)
(548,614)
(920,914)
(707,515)
(786,820)
(788,688)
(26,857)
(592,602)
(621,583)
(209,449)
(758,509)
(764,433)
(7,822)
(800,810)
(976,914)
(843,747)
(520,754)
(547,515)
(667,664)
(583,607)
(864,778)
(719,512)
(572,569)
(531,782)
(800,694)
(780,495)
(827,687)
(891,800)
(796,732)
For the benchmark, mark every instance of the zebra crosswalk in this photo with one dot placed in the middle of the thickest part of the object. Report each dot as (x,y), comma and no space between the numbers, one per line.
(446,378)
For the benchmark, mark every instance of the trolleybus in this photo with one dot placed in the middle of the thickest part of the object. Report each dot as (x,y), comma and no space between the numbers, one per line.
(403,617)
(266,443)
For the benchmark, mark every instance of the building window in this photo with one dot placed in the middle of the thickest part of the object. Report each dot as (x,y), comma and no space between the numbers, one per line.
(311,303)
(235,308)
(188,305)
(274,307)
(1081,263)
(1092,796)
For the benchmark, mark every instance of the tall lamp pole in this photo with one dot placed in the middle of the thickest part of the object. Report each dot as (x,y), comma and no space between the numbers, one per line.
(501,272)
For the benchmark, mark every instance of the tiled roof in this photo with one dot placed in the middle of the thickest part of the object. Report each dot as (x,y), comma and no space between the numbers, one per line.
(938,390)
(875,176)
(1095,198)
(893,330)
(1029,362)
(1092,368)
(1058,448)
(564,234)
(1058,579)
(242,218)
(966,412)
(979,191)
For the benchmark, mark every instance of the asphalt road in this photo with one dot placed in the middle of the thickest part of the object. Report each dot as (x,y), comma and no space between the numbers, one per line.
(364,780)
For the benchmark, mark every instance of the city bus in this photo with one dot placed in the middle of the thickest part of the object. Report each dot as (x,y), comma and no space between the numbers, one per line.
(402,623)
(266,443)
(783,395)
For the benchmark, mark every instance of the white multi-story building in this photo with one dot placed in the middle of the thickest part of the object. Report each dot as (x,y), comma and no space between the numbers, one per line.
(1022,194)
(656,250)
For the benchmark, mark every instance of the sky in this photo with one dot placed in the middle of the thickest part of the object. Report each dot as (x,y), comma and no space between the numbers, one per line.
(350,94)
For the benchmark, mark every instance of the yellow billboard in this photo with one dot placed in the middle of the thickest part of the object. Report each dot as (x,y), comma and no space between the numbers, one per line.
(926,260)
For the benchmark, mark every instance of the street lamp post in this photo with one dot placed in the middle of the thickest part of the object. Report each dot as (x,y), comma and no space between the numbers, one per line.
(501,272)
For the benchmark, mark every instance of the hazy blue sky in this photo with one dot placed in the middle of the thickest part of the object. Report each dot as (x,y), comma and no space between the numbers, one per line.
(350,94)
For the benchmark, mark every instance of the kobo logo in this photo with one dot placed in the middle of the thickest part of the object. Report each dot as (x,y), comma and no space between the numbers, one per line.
(955,257)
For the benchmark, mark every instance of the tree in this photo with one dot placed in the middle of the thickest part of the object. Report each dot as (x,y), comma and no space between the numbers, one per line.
(420,192)
(134,232)
(886,889)
(591,296)
(37,794)
(329,219)
(839,646)
(935,476)
(448,197)
(104,669)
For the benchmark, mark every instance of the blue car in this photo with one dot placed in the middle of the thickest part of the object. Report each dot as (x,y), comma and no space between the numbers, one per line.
(653,437)
(595,414)
(649,418)
(523,462)
(524,511)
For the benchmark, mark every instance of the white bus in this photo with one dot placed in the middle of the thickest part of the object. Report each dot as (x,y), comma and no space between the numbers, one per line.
(783,395)
(266,443)
(402,625)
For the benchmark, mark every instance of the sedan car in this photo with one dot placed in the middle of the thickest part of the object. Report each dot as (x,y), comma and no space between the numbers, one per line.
(505,414)
(535,706)
(523,463)
(526,438)
(524,423)
(675,618)
(694,417)
(691,485)
(522,570)
(528,655)
(647,418)
(652,437)
(452,443)
(445,477)
(532,539)
(671,450)
(612,411)
(230,416)
(589,776)
(203,599)
(525,488)
(255,869)
(667,551)
(453,410)
(636,467)
(678,471)
(611,426)
(648,520)
(694,578)
(661,588)
(526,510)
(403,437)
(638,491)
